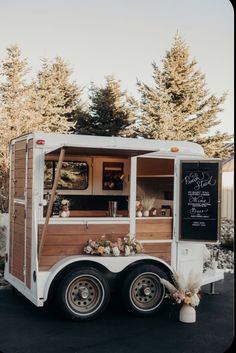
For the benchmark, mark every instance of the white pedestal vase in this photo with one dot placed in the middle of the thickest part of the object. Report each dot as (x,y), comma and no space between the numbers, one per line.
(146,213)
(187,314)
(139,214)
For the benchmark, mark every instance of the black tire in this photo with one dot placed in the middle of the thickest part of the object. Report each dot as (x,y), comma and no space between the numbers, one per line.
(83,294)
(142,291)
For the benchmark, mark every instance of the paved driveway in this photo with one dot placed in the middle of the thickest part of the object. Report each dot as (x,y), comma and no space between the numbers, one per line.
(27,329)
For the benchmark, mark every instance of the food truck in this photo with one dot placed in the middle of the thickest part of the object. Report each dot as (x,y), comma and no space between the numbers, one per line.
(67,191)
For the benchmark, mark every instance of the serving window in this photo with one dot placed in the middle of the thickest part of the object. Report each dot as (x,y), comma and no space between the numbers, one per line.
(74,175)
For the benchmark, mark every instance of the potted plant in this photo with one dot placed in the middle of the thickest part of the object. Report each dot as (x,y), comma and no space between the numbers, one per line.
(186,293)
(147,204)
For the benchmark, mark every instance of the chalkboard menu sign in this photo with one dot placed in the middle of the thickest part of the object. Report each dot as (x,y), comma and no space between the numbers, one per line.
(199,195)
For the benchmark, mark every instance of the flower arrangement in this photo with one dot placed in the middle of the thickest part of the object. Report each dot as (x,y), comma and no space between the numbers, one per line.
(148,203)
(185,292)
(144,205)
(103,247)
(64,208)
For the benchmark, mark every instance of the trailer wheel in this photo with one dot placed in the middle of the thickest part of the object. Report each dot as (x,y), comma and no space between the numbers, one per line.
(142,291)
(83,294)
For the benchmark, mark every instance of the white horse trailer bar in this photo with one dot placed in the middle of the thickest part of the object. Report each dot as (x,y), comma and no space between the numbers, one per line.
(45,254)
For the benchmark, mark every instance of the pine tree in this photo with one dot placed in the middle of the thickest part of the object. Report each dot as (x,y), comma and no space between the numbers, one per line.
(179,105)
(15,93)
(55,99)
(108,113)
(47,104)
(14,110)
(82,119)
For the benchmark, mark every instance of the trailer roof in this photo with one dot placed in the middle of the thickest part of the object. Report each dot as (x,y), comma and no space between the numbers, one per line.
(95,151)
(118,145)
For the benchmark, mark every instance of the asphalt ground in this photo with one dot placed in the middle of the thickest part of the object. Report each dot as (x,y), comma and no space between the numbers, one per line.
(25,328)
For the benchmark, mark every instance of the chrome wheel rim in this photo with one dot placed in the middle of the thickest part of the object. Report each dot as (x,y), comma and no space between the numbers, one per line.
(84,295)
(146,291)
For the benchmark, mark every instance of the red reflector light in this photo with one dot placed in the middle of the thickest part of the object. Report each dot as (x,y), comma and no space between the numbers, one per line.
(174,149)
(40,142)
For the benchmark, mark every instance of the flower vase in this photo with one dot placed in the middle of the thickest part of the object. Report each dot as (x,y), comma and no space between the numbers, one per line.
(187,314)
(146,213)
(65,214)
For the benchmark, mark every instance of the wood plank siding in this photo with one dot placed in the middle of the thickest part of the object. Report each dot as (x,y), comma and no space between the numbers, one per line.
(154,166)
(19,169)
(161,250)
(155,229)
(29,213)
(66,240)
(18,246)
(21,210)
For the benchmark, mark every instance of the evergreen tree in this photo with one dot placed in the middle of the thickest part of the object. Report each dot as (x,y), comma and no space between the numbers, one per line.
(82,120)
(14,110)
(15,95)
(108,113)
(48,104)
(179,105)
(55,99)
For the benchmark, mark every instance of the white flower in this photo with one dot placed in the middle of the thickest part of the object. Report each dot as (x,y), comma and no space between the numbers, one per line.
(88,249)
(65,202)
(127,250)
(116,251)
(93,244)
(107,250)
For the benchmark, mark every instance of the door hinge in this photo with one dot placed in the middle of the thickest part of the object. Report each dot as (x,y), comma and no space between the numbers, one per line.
(24,213)
(26,147)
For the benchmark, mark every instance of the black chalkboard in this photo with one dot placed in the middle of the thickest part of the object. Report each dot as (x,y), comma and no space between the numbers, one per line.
(199,195)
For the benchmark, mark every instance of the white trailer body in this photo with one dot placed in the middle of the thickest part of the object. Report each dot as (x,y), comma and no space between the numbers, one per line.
(43,248)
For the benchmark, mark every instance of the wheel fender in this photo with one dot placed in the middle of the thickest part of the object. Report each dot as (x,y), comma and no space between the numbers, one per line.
(112,264)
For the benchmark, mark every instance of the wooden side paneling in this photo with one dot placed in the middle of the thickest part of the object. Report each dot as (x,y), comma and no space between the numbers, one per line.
(66,240)
(161,250)
(18,246)
(83,229)
(29,213)
(154,229)
(20,169)
(20,145)
(46,262)
(20,215)
(155,166)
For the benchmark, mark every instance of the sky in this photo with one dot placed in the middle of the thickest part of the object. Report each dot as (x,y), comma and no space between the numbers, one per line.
(97,38)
